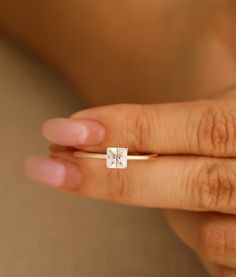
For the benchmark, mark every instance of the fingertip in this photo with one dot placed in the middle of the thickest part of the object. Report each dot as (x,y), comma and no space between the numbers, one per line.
(64,132)
(71,132)
(44,170)
(52,172)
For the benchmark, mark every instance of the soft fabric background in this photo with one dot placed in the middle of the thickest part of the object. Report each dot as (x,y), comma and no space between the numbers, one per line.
(47,233)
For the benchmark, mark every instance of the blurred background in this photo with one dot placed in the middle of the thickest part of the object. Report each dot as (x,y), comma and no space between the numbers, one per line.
(58,57)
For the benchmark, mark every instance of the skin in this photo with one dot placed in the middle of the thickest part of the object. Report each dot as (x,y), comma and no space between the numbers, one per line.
(141,63)
(199,194)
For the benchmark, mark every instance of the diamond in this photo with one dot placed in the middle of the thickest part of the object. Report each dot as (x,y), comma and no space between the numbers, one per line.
(116,157)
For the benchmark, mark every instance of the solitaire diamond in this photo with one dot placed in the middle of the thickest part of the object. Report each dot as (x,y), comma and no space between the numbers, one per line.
(117,157)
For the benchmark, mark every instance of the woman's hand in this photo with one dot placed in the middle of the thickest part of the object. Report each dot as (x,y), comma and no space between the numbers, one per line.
(196,170)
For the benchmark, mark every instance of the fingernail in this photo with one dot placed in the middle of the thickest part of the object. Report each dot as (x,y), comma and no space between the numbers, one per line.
(52,173)
(71,132)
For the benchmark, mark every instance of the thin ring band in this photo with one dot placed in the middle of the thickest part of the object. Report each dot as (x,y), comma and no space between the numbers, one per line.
(89,155)
(116,157)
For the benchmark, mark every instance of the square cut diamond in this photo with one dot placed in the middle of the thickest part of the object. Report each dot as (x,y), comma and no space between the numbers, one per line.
(117,157)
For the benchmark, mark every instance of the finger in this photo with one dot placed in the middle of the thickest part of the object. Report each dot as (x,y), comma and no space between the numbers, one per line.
(211,235)
(72,133)
(200,128)
(170,182)
(53,172)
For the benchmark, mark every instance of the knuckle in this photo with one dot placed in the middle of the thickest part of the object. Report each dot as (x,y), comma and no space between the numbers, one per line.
(213,242)
(140,131)
(214,186)
(118,186)
(216,132)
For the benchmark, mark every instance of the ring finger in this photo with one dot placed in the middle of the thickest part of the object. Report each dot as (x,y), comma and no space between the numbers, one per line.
(211,235)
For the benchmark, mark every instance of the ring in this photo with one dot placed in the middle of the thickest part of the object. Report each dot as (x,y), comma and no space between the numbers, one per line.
(115,157)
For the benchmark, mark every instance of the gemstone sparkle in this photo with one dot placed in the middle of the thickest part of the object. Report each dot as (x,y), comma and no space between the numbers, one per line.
(117,157)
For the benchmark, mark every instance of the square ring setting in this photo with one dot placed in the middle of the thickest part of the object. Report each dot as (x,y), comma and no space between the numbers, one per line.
(117,158)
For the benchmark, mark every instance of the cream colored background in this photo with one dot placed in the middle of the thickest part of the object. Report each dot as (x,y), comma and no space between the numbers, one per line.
(47,233)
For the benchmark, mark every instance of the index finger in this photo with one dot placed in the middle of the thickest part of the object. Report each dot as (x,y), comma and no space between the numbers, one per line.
(198,128)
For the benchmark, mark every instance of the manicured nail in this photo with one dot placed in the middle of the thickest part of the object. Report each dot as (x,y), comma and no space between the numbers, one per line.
(52,173)
(71,132)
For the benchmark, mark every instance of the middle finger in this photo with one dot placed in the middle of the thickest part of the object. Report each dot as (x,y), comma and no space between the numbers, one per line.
(186,182)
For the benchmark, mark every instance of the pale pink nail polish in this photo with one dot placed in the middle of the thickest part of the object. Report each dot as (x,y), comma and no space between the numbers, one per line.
(46,171)
(71,132)
(53,172)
